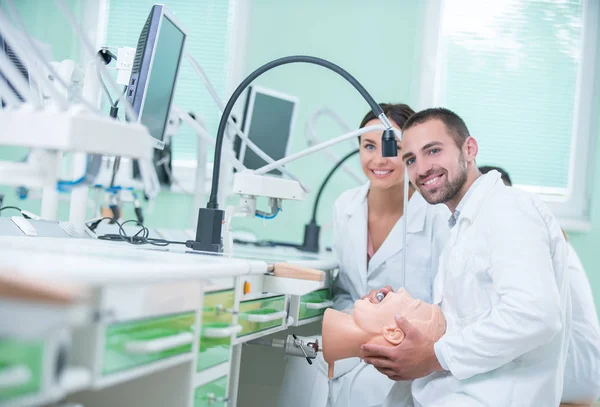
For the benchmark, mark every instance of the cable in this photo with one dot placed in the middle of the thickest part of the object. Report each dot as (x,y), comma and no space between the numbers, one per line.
(213,200)
(110,100)
(213,93)
(120,97)
(90,50)
(139,238)
(210,219)
(63,186)
(258,215)
(310,133)
(331,172)
(10,207)
(293,157)
(165,164)
(204,136)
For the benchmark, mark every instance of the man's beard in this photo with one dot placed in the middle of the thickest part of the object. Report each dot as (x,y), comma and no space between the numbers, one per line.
(451,188)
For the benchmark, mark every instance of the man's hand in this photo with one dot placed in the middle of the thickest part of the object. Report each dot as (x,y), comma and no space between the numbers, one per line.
(372,296)
(413,358)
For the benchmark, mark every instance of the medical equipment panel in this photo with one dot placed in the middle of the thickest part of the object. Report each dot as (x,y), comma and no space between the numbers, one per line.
(132,344)
(217,329)
(262,314)
(211,394)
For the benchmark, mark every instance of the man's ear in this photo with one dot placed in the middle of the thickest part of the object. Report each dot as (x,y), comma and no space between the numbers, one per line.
(470,149)
(393,334)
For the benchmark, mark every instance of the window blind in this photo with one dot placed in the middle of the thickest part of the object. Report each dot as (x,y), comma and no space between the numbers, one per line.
(208,25)
(509,69)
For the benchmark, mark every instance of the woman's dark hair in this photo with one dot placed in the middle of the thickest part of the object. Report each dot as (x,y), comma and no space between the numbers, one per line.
(398,112)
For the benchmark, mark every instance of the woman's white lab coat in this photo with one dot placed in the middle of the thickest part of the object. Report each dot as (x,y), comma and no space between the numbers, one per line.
(357,384)
(427,228)
(503,288)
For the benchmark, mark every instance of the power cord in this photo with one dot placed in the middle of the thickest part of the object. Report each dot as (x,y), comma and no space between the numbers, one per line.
(24,213)
(139,238)
(10,207)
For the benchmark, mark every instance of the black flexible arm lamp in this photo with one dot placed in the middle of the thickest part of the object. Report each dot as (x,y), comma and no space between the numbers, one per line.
(312,230)
(210,219)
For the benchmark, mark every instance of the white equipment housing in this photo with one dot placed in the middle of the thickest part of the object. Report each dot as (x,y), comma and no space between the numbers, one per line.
(249,183)
(74,130)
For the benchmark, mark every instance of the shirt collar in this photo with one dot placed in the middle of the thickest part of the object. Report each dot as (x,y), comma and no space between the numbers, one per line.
(454,217)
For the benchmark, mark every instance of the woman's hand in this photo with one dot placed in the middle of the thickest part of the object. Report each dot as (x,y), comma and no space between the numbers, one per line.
(372,296)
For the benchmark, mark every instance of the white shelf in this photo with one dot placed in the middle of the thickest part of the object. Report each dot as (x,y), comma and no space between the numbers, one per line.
(74,130)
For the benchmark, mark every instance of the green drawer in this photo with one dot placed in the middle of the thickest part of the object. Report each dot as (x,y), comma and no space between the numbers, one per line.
(314,304)
(21,365)
(132,344)
(211,394)
(217,328)
(259,315)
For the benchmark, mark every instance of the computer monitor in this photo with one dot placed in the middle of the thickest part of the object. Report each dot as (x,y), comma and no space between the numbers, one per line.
(16,62)
(268,120)
(155,69)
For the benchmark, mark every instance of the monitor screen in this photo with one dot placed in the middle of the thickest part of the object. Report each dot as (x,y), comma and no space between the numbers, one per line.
(268,119)
(154,73)
(161,84)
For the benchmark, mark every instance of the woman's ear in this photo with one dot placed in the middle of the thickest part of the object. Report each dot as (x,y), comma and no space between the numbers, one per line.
(393,334)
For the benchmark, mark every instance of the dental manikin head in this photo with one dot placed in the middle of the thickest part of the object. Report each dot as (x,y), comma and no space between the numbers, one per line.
(343,334)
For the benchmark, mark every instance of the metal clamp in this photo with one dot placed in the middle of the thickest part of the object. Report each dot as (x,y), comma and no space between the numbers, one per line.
(292,346)
(221,309)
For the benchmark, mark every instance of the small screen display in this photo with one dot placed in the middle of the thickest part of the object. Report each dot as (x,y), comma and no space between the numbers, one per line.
(161,83)
(270,126)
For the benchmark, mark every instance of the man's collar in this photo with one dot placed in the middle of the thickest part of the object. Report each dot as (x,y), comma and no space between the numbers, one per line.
(460,207)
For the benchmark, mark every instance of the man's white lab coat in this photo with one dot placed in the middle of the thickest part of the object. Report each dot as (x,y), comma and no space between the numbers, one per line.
(503,287)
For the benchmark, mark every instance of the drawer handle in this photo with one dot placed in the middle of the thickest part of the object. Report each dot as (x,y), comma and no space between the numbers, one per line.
(209,332)
(266,317)
(14,376)
(318,305)
(160,344)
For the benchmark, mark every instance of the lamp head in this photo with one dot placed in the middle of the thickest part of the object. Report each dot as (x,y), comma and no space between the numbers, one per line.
(389,147)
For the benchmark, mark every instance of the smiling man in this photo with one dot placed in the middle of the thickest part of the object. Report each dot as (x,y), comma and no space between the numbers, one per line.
(502,283)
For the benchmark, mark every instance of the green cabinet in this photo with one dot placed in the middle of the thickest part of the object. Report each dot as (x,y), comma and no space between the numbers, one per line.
(217,329)
(21,368)
(132,344)
(262,314)
(314,304)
